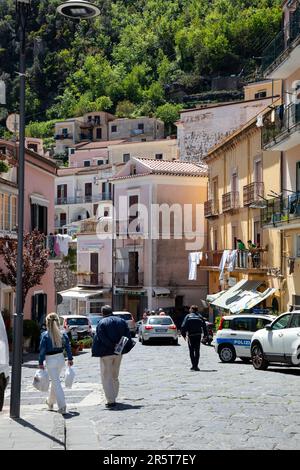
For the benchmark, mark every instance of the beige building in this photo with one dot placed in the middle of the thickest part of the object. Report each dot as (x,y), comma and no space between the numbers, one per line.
(165,149)
(281,136)
(241,176)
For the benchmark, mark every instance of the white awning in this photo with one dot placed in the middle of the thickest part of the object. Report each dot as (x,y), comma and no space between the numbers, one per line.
(243,296)
(77,293)
(212,297)
(39,199)
(161,291)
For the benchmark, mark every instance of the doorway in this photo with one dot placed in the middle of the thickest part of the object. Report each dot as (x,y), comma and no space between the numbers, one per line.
(94,268)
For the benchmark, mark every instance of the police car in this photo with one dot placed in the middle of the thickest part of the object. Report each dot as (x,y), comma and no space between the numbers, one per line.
(234,335)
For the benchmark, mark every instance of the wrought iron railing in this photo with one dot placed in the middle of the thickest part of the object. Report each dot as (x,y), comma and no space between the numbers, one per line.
(280,211)
(130,279)
(255,258)
(83,199)
(279,123)
(90,279)
(252,193)
(211,208)
(230,201)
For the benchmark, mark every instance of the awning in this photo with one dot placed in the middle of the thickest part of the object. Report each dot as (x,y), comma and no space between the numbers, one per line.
(212,297)
(161,291)
(39,199)
(243,296)
(77,293)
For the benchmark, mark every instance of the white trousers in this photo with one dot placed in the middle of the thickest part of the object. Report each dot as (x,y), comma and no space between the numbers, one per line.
(55,364)
(110,367)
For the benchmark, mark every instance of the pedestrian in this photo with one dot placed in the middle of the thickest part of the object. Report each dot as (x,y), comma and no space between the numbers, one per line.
(108,334)
(193,326)
(52,345)
(255,256)
(242,254)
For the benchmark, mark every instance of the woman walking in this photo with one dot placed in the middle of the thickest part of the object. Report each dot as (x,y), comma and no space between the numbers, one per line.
(52,345)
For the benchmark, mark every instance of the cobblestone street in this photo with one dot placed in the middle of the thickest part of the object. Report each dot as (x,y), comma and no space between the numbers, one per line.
(164,405)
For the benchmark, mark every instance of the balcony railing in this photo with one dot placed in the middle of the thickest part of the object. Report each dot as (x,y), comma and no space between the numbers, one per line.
(244,260)
(252,193)
(130,279)
(281,211)
(83,199)
(88,226)
(90,279)
(283,41)
(211,208)
(230,201)
(63,136)
(278,127)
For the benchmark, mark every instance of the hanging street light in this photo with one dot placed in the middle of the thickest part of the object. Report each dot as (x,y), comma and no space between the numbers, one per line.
(78,9)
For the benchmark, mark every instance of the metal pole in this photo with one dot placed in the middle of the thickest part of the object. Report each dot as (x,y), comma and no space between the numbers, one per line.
(22,13)
(113,249)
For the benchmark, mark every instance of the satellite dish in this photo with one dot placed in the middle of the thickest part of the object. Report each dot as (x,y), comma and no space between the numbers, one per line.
(13,123)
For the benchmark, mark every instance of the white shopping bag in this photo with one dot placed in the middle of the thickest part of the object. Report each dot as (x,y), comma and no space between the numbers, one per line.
(41,380)
(69,377)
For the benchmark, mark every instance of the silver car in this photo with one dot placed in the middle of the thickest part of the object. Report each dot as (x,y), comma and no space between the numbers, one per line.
(76,325)
(127,316)
(94,320)
(158,327)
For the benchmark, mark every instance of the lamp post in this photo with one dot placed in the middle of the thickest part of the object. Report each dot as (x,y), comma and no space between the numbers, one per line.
(74,9)
(22,13)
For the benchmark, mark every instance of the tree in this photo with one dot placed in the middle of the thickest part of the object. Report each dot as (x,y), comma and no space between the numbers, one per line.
(35,259)
(169,114)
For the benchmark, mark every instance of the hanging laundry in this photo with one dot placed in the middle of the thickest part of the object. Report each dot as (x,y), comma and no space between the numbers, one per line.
(260,121)
(63,242)
(194,260)
(56,247)
(223,262)
(232,260)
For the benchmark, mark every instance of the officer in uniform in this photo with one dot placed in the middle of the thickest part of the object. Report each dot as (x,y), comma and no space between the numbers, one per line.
(193,327)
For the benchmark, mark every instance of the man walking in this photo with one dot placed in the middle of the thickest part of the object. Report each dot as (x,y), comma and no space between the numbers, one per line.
(193,326)
(108,334)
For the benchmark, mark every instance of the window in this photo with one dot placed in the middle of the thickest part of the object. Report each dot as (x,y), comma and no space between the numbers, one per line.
(133,170)
(114,128)
(282,322)
(99,162)
(260,94)
(133,202)
(97,120)
(39,218)
(87,163)
(13,201)
(3,150)
(99,133)
(126,157)
(88,191)
(234,182)
(257,233)
(72,151)
(65,131)
(298,177)
(62,193)
(33,147)
(260,323)
(295,323)
(6,211)
(158,156)
(242,324)
(234,235)
(258,171)
(141,127)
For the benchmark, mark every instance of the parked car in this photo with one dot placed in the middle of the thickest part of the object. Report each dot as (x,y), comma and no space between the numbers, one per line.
(210,330)
(4,361)
(94,320)
(279,342)
(233,338)
(158,327)
(76,326)
(127,316)
(138,325)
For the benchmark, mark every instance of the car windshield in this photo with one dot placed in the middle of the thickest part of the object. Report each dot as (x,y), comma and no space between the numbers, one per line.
(125,316)
(160,321)
(77,321)
(95,320)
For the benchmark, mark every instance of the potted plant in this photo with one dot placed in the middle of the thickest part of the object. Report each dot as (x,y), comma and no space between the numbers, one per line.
(87,343)
(75,347)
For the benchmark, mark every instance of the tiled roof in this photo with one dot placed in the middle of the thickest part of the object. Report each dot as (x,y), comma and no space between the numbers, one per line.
(176,167)
(97,145)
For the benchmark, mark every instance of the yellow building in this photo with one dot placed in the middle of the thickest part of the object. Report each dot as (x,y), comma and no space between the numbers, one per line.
(281,134)
(241,176)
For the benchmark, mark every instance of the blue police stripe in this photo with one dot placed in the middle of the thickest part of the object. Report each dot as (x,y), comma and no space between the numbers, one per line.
(245,343)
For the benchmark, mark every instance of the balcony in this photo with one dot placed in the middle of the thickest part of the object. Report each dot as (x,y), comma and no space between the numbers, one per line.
(211,208)
(280,131)
(60,201)
(253,193)
(230,201)
(131,279)
(63,136)
(282,213)
(254,261)
(280,58)
(90,279)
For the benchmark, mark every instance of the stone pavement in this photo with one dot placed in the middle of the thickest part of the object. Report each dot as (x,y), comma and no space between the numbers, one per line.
(165,406)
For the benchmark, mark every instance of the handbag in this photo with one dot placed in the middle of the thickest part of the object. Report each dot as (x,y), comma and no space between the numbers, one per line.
(41,380)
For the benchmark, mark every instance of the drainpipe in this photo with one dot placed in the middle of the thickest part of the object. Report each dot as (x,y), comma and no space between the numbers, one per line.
(282,264)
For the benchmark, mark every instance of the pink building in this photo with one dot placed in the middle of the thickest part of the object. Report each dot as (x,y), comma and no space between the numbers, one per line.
(40,175)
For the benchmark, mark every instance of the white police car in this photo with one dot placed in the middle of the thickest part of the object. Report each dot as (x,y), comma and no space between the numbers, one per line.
(234,335)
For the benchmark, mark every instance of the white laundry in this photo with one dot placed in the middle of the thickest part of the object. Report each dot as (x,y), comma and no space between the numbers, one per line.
(224,259)
(260,121)
(232,259)
(194,260)
(63,243)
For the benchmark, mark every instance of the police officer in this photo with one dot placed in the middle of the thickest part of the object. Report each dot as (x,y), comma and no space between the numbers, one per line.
(193,326)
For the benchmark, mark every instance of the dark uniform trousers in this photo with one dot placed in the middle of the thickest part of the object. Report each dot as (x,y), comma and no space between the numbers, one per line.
(194,347)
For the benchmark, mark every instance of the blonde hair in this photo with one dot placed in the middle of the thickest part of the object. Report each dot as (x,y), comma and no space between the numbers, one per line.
(52,324)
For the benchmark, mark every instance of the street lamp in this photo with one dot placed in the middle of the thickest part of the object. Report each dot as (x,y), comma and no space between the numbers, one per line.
(74,9)
(78,9)
(22,13)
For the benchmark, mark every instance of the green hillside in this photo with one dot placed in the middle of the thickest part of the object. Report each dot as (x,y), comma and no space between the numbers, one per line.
(133,58)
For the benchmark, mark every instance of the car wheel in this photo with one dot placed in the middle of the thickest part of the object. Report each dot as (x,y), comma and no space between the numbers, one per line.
(227,353)
(258,359)
(246,360)
(143,341)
